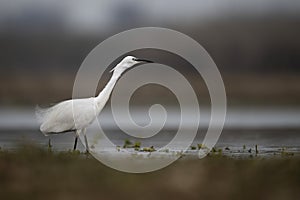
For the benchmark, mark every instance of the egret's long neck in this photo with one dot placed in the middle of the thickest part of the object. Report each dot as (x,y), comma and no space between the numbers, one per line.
(104,95)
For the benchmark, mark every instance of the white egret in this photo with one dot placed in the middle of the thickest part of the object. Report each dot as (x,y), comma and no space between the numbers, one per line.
(60,118)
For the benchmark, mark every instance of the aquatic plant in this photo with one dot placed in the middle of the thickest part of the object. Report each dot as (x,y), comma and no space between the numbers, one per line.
(220,151)
(127,143)
(149,149)
(193,148)
(137,144)
(213,150)
(201,146)
(285,153)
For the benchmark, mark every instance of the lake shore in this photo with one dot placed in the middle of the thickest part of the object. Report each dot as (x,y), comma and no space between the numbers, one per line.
(35,173)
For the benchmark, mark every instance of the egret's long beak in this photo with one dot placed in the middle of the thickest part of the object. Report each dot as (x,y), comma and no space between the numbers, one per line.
(143,60)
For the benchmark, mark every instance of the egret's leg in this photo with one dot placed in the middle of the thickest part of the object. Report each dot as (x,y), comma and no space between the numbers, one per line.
(86,141)
(76,139)
(75,144)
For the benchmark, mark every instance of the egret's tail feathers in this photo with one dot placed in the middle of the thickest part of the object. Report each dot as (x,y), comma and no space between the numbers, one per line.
(40,113)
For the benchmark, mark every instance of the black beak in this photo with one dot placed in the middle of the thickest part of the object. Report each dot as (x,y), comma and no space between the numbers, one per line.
(143,60)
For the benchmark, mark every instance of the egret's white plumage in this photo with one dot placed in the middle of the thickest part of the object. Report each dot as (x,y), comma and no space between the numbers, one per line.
(77,114)
(59,118)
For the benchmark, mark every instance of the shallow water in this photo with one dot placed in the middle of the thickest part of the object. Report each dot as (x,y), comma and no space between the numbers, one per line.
(274,131)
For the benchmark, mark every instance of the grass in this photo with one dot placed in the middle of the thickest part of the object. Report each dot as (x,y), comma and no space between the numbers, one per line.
(34,173)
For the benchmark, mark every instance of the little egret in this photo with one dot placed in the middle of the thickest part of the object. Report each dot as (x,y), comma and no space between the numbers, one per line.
(60,118)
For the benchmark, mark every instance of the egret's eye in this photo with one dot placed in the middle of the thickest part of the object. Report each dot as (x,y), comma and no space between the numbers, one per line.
(133,59)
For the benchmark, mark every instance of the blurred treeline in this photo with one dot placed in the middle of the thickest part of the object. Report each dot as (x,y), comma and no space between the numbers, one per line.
(259,58)
(237,45)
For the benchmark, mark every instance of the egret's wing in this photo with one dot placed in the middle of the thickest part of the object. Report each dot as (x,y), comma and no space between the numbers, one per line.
(61,118)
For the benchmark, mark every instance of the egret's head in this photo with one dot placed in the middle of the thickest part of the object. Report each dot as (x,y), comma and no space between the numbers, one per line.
(130,61)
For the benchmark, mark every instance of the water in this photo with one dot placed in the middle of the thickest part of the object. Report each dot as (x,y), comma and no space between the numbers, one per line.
(273,130)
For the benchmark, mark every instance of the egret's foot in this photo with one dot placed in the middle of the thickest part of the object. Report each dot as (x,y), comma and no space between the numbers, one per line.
(87,151)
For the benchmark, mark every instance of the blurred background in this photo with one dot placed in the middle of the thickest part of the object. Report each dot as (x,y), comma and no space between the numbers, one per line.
(255,44)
